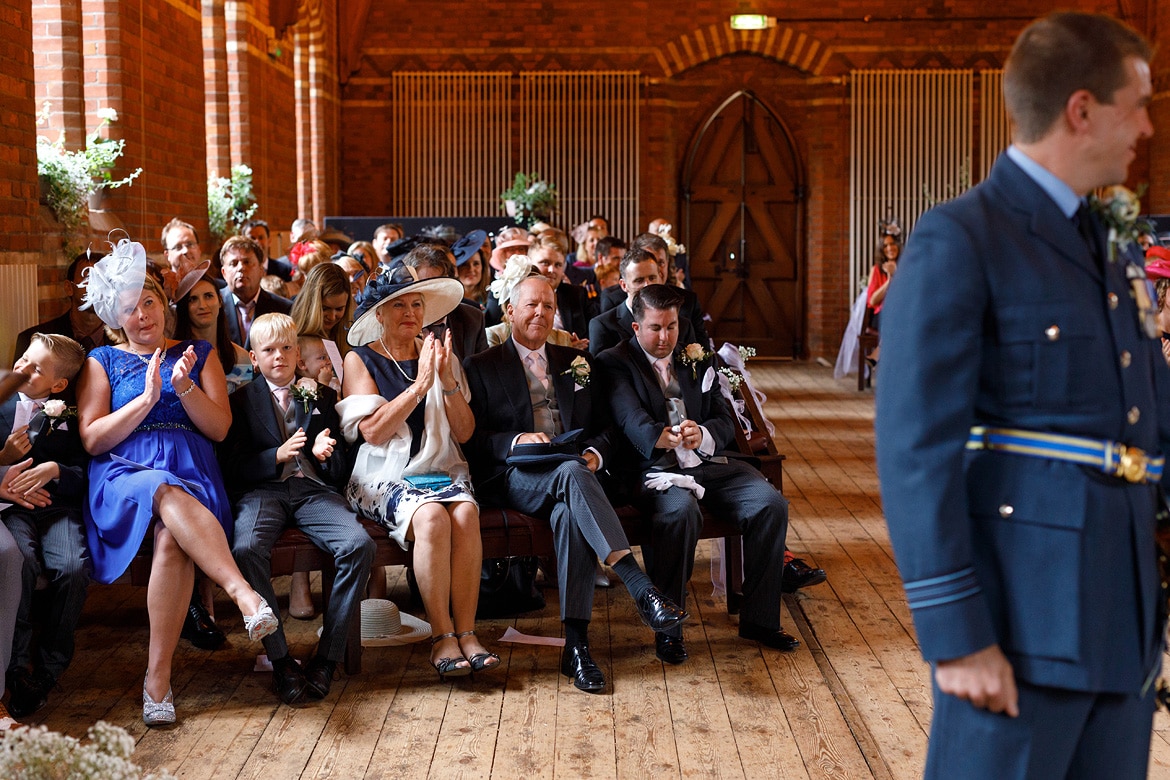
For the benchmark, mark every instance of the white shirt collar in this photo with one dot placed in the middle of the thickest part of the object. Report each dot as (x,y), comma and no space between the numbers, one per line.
(524,351)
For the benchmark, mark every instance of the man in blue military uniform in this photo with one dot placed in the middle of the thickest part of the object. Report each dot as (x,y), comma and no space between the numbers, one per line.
(1021,421)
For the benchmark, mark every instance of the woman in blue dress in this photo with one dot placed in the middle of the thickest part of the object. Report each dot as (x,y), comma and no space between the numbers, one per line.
(406,400)
(148,410)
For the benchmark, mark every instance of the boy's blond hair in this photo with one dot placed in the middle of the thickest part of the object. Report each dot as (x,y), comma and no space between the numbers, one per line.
(68,355)
(272,327)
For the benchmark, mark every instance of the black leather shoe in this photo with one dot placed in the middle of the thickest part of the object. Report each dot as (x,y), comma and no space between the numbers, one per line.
(659,612)
(578,664)
(670,649)
(288,681)
(319,676)
(798,574)
(769,637)
(30,692)
(199,629)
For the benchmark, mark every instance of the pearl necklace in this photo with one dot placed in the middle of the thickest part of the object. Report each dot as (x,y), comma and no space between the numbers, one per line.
(390,355)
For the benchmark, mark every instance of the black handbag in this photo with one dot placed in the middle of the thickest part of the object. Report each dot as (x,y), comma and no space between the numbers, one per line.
(507,586)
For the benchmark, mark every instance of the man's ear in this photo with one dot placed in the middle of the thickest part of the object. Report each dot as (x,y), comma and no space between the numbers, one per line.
(59,386)
(1077,109)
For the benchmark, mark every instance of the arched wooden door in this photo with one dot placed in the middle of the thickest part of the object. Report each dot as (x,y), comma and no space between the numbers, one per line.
(742,222)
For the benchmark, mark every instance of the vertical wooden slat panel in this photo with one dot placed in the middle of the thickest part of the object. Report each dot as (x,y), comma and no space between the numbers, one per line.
(911,141)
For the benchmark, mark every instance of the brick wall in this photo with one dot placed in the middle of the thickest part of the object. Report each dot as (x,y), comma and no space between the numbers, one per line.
(19,237)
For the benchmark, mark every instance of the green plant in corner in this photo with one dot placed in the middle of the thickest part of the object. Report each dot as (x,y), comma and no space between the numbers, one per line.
(68,177)
(230,202)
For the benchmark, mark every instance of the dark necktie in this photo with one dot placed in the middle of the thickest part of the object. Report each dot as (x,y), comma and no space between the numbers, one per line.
(1083,220)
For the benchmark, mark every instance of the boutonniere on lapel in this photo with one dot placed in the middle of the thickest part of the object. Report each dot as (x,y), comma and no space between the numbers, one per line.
(579,369)
(692,355)
(1118,208)
(51,417)
(305,391)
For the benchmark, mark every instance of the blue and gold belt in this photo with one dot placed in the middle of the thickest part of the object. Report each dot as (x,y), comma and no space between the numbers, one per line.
(1110,457)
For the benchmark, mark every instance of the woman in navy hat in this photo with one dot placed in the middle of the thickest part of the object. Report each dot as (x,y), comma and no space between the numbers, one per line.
(407,402)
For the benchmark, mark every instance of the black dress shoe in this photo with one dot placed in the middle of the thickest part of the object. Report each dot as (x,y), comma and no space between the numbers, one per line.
(199,629)
(659,612)
(288,681)
(319,676)
(670,649)
(578,664)
(798,574)
(30,692)
(769,637)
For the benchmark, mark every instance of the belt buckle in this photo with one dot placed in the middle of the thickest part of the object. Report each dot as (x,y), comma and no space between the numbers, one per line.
(1132,464)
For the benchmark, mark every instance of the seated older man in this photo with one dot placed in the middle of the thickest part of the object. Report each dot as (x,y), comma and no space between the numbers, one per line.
(527,391)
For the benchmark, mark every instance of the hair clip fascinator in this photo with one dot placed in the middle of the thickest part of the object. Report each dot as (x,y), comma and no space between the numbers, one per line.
(114,284)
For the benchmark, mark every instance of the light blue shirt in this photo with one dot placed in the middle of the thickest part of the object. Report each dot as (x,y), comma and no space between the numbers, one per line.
(1066,200)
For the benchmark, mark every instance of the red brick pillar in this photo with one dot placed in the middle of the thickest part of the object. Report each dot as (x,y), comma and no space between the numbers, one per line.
(57,59)
(20,240)
(215,70)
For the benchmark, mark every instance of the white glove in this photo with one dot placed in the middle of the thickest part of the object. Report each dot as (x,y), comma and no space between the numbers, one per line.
(664,480)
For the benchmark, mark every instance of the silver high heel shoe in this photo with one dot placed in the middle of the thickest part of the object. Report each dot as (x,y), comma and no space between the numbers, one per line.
(262,623)
(158,713)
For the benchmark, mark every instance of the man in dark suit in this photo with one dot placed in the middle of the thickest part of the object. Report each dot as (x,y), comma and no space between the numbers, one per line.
(81,325)
(526,391)
(465,321)
(669,407)
(51,537)
(610,328)
(283,464)
(243,299)
(1030,570)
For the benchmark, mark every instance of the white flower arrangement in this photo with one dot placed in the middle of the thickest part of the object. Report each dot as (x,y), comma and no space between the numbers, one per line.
(672,247)
(305,391)
(1119,208)
(36,752)
(579,369)
(692,355)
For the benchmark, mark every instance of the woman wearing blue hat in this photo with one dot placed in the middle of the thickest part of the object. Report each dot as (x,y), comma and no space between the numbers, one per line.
(406,401)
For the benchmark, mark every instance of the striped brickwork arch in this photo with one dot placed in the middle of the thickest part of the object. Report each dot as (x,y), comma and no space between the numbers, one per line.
(784,44)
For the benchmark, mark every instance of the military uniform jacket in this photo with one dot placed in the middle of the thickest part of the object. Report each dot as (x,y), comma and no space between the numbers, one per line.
(1000,315)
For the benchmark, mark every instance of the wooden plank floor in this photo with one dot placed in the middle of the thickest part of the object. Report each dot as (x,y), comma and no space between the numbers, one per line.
(852,702)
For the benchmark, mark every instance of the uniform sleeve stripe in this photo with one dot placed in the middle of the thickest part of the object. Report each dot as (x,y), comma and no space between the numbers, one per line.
(942,590)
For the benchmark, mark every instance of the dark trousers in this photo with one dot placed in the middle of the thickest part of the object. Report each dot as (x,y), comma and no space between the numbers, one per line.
(52,545)
(584,526)
(735,490)
(323,516)
(1059,734)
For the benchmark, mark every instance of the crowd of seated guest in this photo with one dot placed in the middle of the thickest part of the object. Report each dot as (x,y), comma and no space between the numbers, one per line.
(383,390)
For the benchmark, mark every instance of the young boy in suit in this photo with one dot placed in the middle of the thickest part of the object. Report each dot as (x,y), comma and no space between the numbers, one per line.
(283,466)
(37,424)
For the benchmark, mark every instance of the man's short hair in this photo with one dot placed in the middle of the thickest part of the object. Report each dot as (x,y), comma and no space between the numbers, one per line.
(658,297)
(554,237)
(71,273)
(542,249)
(245,243)
(175,224)
(68,356)
(272,327)
(430,256)
(651,242)
(633,256)
(388,227)
(607,244)
(1059,54)
(533,273)
(252,223)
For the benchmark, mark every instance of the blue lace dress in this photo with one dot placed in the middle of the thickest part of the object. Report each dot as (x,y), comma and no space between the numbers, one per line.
(165,449)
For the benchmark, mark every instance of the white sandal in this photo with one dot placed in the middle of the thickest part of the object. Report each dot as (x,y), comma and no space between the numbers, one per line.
(262,623)
(158,713)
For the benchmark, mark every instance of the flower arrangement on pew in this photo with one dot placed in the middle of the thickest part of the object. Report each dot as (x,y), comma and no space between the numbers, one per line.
(36,752)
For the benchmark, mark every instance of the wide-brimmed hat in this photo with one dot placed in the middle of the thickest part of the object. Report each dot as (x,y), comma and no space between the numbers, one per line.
(440,296)
(383,624)
(465,248)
